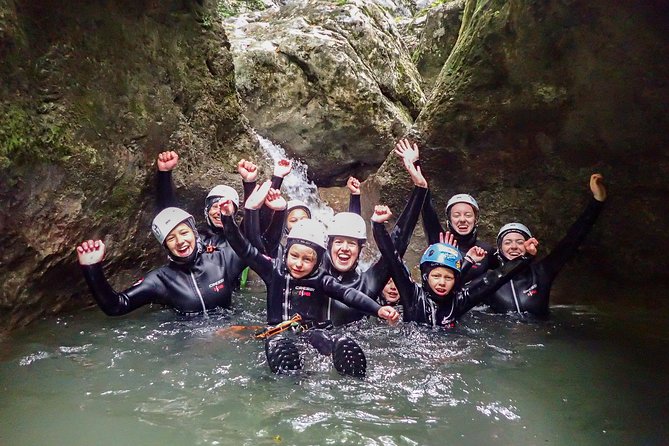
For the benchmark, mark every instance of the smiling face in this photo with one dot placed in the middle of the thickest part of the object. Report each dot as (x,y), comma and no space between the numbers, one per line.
(344,253)
(215,214)
(294,216)
(181,241)
(441,280)
(463,218)
(390,293)
(300,260)
(512,245)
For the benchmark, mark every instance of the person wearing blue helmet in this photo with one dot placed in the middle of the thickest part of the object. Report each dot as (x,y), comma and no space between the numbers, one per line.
(194,281)
(440,300)
(529,291)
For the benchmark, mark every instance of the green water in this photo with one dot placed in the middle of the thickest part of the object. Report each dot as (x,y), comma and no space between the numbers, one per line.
(587,377)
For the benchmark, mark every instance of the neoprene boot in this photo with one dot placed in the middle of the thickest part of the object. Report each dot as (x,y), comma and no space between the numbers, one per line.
(282,354)
(348,357)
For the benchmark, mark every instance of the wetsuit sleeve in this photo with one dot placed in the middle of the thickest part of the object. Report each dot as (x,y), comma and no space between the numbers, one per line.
(476,291)
(165,195)
(258,262)
(406,223)
(272,236)
(251,228)
(431,223)
(398,272)
(350,296)
(354,204)
(249,187)
(567,247)
(266,214)
(111,302)
(377,275)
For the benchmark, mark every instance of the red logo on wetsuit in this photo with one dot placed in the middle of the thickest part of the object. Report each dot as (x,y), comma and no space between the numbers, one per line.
(218,285)
(304,291)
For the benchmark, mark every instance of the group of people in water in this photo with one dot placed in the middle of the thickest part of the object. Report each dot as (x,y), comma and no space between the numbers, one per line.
(312,272)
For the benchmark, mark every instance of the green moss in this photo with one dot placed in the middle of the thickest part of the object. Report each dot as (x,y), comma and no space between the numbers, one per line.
(229,8)
(26,138)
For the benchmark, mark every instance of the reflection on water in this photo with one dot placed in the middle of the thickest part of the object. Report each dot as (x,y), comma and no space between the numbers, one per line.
(587,377)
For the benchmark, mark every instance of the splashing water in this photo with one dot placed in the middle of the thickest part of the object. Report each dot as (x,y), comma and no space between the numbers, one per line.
(296,185)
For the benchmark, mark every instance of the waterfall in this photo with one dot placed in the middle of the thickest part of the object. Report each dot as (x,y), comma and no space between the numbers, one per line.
(296,185)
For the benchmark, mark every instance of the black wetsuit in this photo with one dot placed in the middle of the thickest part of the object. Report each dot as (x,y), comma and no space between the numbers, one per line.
(530,290)
(421,305)
(286,295)
(372,281)
(433,228)
(203,284)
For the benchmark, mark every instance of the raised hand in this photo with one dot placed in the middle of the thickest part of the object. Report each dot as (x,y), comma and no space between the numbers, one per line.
(275,200)
(407,150)
(447,237)
(247,170)
(227,207)
(353,185)
(531,246)
(409,153)
(381,214)
(476,254)
(167,161)
(257,198)
(597,186)
(282,167)
(91,252)
(388,313)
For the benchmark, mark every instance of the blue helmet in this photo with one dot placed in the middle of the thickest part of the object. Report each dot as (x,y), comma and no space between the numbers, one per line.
(442,254)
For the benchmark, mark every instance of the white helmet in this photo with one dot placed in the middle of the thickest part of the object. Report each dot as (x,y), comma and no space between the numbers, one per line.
(513,227)
(293,204)
(224,192)
(348,224)
(462,198)
(308,232)
(168,219)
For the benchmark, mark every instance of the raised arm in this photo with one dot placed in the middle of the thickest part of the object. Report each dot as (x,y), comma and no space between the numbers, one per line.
(567,247)
(258,262)
(165,194)
(353,186)
(399,274)
(90,255)
(249,173)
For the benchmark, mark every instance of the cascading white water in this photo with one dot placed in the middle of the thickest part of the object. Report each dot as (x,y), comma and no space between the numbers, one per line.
(296,185)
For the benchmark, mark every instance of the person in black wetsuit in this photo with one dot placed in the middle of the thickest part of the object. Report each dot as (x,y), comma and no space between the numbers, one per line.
(440,301)
(462,218)
(529,291)
(296,285)
(194,281)
(347,234)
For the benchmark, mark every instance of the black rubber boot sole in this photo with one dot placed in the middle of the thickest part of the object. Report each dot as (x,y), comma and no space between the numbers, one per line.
(282,354)
(348,358)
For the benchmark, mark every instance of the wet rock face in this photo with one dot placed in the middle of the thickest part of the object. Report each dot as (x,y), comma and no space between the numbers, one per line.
(333,84)
(439,31)
(90,94)
(534,98)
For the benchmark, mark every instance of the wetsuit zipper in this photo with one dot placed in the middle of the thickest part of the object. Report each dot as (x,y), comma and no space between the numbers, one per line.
(515,297)
(285,298)
(197,290)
